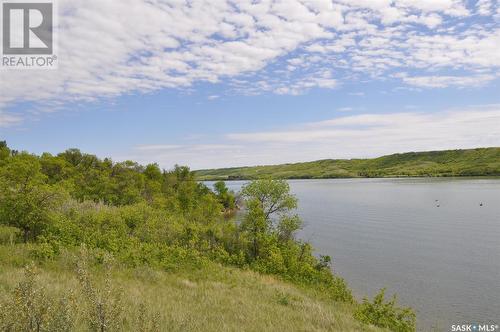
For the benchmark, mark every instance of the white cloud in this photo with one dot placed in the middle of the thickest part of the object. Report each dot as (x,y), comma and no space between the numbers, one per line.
(449,7)
(193,155)
(9,120)
(432,129)
(158,147)
(352,136)
(447,81)
(297,88)
(170,147)
(485,7)
(109,48)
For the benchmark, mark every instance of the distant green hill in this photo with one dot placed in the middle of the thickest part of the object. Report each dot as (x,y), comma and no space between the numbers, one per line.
(473,162)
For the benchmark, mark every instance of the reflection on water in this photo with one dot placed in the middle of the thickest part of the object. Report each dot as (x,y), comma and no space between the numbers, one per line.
(428,240)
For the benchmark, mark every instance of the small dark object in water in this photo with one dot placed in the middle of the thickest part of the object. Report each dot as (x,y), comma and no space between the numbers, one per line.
(437,200)
(480,204)
(438,205)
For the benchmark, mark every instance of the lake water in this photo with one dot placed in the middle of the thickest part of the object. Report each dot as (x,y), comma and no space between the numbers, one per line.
(443,261)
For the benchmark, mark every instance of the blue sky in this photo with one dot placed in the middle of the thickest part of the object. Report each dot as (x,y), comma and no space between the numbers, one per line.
(218,84)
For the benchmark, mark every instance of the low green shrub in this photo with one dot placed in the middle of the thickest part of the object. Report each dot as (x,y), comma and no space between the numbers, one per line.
(386,314)
(44,250)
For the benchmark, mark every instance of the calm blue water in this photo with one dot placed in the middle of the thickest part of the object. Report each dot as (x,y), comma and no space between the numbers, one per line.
(443,261)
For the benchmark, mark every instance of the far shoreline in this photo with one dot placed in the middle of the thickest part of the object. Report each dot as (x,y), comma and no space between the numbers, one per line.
(479,162)
(464,177)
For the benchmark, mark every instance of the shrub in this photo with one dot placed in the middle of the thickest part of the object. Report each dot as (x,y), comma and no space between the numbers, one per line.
(386,314)
(147,320)
(283,298)
(103,308)
(44,250)
(31,308)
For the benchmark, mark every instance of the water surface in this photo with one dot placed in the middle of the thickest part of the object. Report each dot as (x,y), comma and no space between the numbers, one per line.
(428,240)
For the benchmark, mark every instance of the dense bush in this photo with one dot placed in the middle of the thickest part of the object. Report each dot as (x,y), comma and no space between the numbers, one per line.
(386,314)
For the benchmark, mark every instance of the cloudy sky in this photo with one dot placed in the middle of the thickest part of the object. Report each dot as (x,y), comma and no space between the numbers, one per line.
(229,83)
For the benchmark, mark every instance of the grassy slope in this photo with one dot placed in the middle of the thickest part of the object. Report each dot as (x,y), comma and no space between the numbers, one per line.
(473,162)
(214,298)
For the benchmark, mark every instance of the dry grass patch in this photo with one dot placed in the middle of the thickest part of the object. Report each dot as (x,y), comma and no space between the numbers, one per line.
(213,299)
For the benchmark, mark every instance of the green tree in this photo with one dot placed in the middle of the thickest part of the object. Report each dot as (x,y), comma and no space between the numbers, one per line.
(153,180)
(4,151)
(56,168)
(256,225)
(153,172)
(225,197)
(26,200)
(72,156)
(269,217)
(273,195)
(287,226)
(127,182)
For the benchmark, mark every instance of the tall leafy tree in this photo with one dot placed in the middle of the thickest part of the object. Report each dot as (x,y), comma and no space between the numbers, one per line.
(26,200)
(269,216)
(273,196)
(4,151)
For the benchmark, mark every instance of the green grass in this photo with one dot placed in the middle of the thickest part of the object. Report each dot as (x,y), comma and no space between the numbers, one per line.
(212,298)
(473,162)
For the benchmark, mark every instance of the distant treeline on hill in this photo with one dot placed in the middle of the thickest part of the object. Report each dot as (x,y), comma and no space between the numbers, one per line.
(472,162)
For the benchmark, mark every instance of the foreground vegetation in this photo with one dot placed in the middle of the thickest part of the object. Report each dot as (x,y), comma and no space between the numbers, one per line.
(210,298)
(120,246)
(474,162)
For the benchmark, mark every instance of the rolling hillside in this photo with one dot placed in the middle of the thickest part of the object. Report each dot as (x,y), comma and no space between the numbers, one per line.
(473,162)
